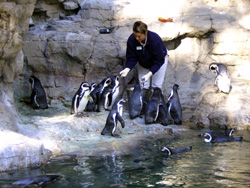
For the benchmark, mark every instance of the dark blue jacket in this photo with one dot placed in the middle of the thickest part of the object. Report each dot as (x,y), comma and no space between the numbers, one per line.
(151,57)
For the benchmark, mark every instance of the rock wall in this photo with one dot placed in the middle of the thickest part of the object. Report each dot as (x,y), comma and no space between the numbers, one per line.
(14,21)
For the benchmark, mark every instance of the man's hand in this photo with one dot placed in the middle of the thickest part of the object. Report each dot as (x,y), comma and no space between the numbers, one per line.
(124,72)
(146,77)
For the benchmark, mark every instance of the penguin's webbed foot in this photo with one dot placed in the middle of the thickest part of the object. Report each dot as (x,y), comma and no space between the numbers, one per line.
(116,135)
(81,114)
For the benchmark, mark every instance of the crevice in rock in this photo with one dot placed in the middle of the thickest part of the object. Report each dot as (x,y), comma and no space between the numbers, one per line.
(175,42)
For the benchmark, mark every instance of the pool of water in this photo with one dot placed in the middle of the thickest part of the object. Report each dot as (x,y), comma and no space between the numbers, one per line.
(206,165)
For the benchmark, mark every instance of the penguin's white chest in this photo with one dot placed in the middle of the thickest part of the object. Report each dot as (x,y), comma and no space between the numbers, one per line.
(83,102)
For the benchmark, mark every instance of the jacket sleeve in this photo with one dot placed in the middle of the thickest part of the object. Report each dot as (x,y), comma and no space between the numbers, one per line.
(159,55)
(131,58)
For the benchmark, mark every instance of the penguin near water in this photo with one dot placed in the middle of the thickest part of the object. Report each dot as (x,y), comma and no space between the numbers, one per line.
(80,98)
(114,116)
(226,133)
(174,105)
(171,151)
(163,112)
(152,108)
(40,181)
(208,138)
(38,95)
(222,80)
(135,102)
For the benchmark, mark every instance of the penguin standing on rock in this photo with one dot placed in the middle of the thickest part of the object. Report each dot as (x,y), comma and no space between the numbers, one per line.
(153,106)
(135,102)
(38,95)
(174,105)
(222,80)
(91,105)
(115,85)
(163,112)
(110,93)
(114,116)
(80,98)
(97,93)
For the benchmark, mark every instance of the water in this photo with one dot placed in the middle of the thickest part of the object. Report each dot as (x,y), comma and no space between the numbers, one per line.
(206,165)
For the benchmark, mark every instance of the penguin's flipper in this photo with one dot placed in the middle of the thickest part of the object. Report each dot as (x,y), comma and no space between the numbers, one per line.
(121,120)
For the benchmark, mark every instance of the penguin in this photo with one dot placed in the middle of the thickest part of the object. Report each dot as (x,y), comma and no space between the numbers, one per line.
(174,105)
(97,93)
(135,102)
(115,85)
(222,80)
(163,112)
(208,138)
(152,108)
(226,133)
(91,105)
(80,98)
(176,150)
(106,98)
(41,180)
(114,116)
(38,95)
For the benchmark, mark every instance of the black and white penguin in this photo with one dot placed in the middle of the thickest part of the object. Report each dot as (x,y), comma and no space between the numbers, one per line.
(97,93)
(114,116)
(174,105)
(208,138)
(163,112)
(222,80)
(135,102)
(152,108)
(91,105)
(115,85)
(110,93)
(41,180)
(80,99)
(38,95)
(176,150)
(226,133)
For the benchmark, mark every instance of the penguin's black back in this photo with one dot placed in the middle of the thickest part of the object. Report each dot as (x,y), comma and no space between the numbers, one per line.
(135,102)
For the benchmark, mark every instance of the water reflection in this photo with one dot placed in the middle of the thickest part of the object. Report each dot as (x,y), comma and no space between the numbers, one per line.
(206,165)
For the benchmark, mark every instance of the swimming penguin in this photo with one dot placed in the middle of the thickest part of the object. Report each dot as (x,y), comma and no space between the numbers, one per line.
(135,102)
(152,108)
(91,105)
(38,95)
(222,80)
(176,150)
(97,93)
(212,139)
(226,133)
(114,116)
(80,98)
(174,105)
(41,180)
